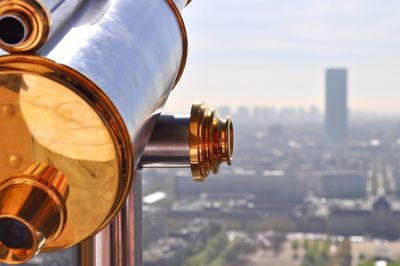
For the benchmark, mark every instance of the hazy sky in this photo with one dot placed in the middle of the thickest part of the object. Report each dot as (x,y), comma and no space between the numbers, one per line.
(275,52)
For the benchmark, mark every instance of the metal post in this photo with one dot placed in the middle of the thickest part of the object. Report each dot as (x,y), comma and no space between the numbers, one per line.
(96,251)
(132,223)
(119,244)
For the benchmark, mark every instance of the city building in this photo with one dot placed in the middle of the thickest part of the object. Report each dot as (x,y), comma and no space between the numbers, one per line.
(376,216)
(336,104)
(343,184)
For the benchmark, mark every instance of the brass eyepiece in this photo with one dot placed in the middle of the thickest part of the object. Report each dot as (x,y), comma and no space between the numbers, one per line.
(24,25)
(32,211)
(210,141)
(14,29)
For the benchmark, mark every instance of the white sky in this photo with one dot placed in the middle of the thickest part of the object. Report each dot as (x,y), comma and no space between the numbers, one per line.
(275,52)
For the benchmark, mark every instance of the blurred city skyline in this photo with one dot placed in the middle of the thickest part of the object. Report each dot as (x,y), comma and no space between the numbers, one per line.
(274,53)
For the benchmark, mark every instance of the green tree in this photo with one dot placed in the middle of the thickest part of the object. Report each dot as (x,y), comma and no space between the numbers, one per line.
(306,244)
(295,247)
(344,253)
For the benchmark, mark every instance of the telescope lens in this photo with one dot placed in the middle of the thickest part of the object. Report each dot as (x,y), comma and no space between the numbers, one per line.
(15,234)
(12,30)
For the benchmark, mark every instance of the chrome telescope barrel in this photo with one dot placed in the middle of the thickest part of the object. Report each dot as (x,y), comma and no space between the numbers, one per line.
(85,104)
(134,66)
(25,25)
(53,5)
(169,144)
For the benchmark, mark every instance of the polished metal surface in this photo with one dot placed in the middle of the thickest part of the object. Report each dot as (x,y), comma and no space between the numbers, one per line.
(117,241)
(169,144)
(119,244)
(47,119)
(90,106)
(211,140)
(32,211)
(132,223)
(134,66)
(96,251)
(52,19)
(126,229)
(53,5)
(115,42)
(201,141)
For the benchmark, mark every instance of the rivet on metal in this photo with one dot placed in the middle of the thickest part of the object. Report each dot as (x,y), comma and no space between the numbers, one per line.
(14,161)
(7,110)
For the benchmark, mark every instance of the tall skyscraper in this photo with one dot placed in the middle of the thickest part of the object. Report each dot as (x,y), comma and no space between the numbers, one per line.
(336,104)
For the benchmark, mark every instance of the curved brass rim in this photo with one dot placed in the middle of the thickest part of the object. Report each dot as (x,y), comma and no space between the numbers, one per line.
(226,142)
(185,42)
(210,141)
(95,97)
(50,191)
(38,17)
(196,148)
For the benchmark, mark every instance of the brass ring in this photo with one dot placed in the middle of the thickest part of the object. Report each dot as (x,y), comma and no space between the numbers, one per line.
(210,141)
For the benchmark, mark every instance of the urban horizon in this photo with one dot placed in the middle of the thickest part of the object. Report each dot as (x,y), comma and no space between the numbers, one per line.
(178,103)
(307,188)
(353,112)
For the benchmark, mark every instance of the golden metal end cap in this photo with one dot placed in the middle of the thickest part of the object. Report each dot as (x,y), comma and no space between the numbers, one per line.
(210,141)
(32,211)
(24,25)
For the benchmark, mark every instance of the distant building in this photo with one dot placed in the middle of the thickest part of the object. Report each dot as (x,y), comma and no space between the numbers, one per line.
(314,114)
(377,216)
(373,216)
(258,113)
(242,113)
(342,184)
(288,115)
(273,190)
(336,104)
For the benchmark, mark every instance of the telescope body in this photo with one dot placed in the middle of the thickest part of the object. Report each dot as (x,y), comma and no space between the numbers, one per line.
(81,91)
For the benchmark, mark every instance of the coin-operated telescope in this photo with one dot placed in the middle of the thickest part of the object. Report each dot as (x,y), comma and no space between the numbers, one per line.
(82,86)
